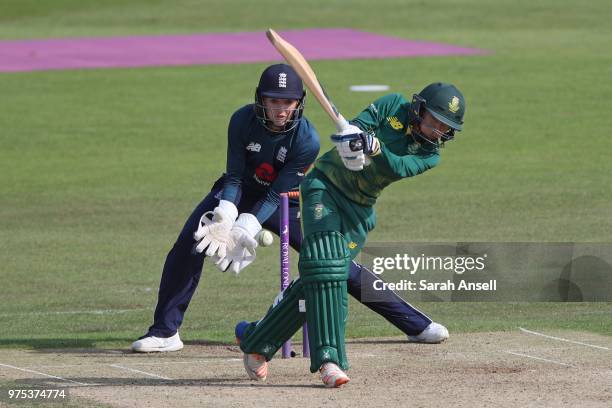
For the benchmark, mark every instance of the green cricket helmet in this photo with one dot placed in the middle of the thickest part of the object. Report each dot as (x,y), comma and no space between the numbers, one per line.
(444,102)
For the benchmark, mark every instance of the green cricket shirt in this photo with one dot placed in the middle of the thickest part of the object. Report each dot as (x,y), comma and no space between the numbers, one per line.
(400,155)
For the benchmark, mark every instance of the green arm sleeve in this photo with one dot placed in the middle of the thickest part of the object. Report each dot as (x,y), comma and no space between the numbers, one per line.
(375,114)
(396,166)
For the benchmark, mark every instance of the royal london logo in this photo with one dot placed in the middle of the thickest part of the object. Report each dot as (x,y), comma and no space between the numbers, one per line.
(395,122)
(282,80)
(454,105)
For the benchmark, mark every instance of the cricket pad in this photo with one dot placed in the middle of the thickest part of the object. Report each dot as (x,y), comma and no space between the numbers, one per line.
(278,325)
(324,269)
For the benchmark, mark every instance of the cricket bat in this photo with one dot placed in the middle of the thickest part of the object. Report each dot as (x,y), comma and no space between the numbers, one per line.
(305,72)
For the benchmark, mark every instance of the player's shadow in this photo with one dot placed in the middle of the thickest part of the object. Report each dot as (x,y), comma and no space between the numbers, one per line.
(96,382)
(399,340)
(204,343)
(89,346)
(59,344)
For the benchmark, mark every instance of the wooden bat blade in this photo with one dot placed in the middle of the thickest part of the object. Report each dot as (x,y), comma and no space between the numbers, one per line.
(305,72)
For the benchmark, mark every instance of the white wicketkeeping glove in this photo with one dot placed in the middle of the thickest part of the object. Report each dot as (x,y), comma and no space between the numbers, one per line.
(241,251)
(349,145)
(213,233)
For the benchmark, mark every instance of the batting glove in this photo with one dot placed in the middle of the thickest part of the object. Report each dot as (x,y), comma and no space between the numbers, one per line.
(371,145)
(349,145)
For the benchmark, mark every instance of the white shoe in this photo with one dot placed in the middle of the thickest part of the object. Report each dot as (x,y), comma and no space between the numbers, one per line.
(332,376)
(434,333)
(256,366)
(153,344)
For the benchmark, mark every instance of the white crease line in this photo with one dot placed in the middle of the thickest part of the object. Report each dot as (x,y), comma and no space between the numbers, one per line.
(43,374)
(539,358)
(140,372)
(73,312)
(561,339)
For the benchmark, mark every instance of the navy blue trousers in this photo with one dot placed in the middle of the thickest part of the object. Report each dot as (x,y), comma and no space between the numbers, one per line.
(182,271)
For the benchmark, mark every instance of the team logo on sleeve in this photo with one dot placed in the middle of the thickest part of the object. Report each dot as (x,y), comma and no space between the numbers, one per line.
(265,174)
(413,148)
(318,211)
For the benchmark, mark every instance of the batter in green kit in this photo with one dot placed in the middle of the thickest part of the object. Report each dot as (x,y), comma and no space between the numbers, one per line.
(390,140)
(400,155)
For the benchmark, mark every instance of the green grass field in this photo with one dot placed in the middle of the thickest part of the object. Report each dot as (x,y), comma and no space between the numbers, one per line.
(100,168)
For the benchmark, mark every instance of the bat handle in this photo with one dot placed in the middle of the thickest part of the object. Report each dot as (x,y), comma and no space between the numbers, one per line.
(341,123)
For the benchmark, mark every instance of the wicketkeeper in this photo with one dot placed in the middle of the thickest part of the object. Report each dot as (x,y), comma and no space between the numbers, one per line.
(271,145)
(390,140)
